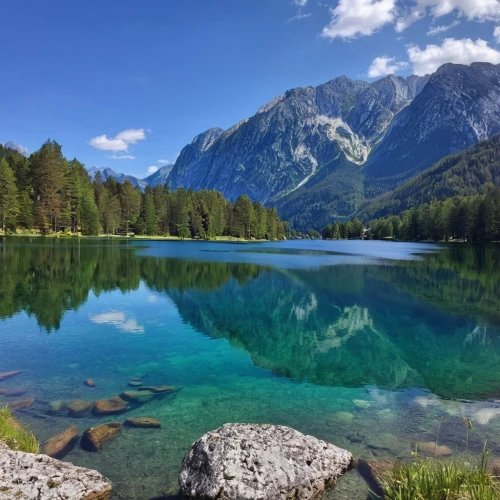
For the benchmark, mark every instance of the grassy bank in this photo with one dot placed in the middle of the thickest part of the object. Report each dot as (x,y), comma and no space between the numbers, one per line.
(14,435)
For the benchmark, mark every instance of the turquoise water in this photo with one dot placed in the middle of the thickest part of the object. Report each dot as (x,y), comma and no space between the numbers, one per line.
(373,346)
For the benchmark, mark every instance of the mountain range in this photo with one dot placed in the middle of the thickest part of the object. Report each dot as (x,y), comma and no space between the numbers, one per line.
(327,152)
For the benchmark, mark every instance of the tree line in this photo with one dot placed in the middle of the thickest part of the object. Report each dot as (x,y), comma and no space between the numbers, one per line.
(52,194)
(465,218)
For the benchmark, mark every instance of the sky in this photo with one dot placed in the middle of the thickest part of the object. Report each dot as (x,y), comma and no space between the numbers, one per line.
(127,84)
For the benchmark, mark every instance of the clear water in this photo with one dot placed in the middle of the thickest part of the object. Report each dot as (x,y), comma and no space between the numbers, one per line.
(373,346)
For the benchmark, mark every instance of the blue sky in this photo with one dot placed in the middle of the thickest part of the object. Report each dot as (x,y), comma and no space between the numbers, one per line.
(126,84)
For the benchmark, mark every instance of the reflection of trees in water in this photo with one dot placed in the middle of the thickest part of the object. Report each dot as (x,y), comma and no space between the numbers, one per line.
(350,325)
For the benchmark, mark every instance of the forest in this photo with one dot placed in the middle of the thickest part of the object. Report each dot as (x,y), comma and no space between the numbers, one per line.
(51,194)
(464,218)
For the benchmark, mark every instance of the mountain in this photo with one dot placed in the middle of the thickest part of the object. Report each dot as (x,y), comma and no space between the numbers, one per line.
(465,173)
(305,133)
(319,153)
(459,106)
(160,176)
(108,172)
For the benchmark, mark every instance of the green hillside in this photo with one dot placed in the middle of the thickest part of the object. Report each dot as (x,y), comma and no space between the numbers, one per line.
(465,173)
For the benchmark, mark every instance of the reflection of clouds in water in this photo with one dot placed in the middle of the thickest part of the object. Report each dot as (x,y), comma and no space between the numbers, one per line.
(302,311)
(118,319)
(152,298)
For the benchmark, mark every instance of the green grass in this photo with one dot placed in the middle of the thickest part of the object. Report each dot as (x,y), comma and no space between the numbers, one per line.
(432,479)
(15,436)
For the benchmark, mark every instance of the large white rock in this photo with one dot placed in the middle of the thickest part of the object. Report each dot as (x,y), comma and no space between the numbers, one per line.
(26,476)
(260,462)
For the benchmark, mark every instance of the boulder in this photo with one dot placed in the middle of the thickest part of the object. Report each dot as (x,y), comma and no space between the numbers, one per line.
(5,375)
(434,449)
(139,397)
(111,406)
(89,383)
(258,461)
(143,423)
(15,392)
(135,383)
(59,446)
(96,438)
(30,476)
(57,406)
(157,389)
(375,473)
(79,408)
(22,404)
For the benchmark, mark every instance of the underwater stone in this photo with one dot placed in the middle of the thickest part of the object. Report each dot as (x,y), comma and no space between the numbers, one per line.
(375,472)
(21,404)
(89,383)
(432,448)
(59,446)
(15,392)
(5,375)
(110,407)
(157,389)
(143,423)
(79,408)
(57,406)
(96,438)
(137,396)
(29,476)
(258,461)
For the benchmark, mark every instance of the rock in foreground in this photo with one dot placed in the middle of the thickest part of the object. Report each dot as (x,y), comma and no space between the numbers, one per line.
(29,476)
(260,462)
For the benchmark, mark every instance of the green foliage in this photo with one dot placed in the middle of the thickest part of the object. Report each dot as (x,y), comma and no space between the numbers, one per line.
(470,218)
(432,479)
(15,436)
(9,204)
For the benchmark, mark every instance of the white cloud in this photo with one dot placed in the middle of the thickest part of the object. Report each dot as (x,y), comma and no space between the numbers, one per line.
(300,3)
(117,319)
(163,162)
(121,157)
(496,34)
(298,16)
(435,30)
(473,10)
(11,145)
(120,142)
(384,65)
(464,51)
(152,169)
(353,18)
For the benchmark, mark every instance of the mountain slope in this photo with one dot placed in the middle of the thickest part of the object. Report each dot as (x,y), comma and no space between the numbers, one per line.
(459,106)
(160,176)
(109,172)
(465,173)
(289,141)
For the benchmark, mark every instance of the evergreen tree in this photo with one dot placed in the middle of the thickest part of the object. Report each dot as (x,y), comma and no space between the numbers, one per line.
(9,203)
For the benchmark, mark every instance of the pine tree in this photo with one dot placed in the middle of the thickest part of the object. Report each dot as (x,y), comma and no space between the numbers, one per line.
(9,204)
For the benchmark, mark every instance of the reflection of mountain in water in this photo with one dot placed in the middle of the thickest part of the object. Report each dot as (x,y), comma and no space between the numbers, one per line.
(349,325)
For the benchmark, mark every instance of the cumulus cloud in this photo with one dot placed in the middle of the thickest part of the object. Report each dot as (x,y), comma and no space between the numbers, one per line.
(119,320)
(11,145)
(472,10)
(163,162)
(353,18)
(464,51)
(496,34)
(300,3)
(121,157)
(152,169)
(120,142)
(384,65)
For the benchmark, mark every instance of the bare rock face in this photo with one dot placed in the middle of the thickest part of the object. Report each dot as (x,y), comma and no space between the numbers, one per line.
(30,476)
(260,462)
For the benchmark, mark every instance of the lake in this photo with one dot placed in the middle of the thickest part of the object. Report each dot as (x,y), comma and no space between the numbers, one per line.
(373,346)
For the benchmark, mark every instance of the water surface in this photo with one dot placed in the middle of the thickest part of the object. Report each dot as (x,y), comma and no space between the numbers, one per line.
(373,346)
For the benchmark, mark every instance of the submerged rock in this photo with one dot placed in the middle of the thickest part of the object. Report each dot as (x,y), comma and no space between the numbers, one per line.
(30,476)
(59,446)
(10,393)
(5,375)
(110,407)
(157,389)
(375,473)
(143,423)
(57,406)
(22,404)
(89,383)
(257,461)
(434,449)
(96,438)
(140,396)
(135,383)
(79,408)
